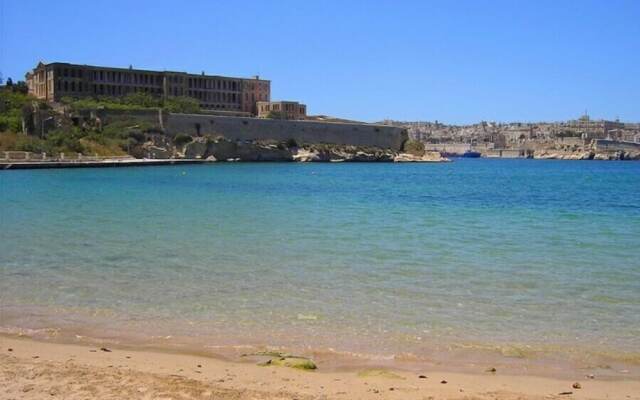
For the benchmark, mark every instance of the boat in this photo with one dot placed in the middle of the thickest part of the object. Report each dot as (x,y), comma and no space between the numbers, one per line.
(471,154)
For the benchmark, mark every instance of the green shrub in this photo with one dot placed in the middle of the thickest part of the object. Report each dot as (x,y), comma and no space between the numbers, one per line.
(274,115)
(182,104)
(414,147)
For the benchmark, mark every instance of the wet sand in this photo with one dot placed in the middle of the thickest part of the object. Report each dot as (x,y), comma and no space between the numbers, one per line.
(31,369)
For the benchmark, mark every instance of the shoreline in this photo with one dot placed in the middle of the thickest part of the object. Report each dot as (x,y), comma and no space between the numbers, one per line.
(567,360)
(108,163)
(36,369)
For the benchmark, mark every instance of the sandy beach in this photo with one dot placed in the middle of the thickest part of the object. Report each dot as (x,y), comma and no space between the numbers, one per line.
(31,369)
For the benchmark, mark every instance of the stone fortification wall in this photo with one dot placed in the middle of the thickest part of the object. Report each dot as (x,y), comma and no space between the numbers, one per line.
(613,145)
(151,117)
(449,148)
(312,132)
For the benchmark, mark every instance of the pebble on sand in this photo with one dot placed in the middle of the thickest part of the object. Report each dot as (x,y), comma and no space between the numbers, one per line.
(105,350)
(577,385)
(443,381)
(422,376)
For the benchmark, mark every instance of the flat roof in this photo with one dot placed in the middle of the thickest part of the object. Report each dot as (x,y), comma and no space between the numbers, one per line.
(150,71)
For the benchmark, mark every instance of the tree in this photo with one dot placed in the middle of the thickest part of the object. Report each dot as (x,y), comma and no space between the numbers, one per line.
(20,87)
(9,82)
(414,147)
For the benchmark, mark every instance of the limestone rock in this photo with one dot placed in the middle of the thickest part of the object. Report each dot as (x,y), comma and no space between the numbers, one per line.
(222,149)
(304,155)
(258,152)
(601,156)
(196,149)
(157,152)
(430,156)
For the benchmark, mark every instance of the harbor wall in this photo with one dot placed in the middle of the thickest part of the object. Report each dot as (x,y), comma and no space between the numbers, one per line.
(311,132)
(614,145)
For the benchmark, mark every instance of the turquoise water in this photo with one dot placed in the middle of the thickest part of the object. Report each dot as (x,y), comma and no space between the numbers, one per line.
(510,257)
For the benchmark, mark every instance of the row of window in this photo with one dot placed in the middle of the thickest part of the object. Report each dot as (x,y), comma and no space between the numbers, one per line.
(254,98)
(215,96)
(100,88)
(117,90)
(256,86)
(288,108)
(112,76)
(220,107)
(204,83)
(152,79)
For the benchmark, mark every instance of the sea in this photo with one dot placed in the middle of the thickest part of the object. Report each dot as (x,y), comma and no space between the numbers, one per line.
(532,266)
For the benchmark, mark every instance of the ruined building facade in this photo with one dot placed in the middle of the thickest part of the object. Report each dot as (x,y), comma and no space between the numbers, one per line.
(282,109)
(53,81)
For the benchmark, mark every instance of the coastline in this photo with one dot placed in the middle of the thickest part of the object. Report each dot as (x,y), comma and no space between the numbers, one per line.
(134,162)
(34,370)
(568,361)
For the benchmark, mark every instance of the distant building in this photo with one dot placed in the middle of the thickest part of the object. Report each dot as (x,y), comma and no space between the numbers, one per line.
(282,109)
(594,129)
(56,80)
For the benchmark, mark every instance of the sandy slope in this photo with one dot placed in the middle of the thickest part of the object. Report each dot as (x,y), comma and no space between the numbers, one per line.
(38,370)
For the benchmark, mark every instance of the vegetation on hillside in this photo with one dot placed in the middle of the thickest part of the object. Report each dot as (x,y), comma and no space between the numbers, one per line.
(13,101)
(135,101)
(414,147)
(119,137)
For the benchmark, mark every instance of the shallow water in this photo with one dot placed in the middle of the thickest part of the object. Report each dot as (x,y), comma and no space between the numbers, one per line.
(422,261)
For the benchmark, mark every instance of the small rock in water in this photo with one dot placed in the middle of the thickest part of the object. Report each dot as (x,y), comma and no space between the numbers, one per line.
(105,350)
(591,376)
(293,362)
(422,376)
(493,370)
(577,385)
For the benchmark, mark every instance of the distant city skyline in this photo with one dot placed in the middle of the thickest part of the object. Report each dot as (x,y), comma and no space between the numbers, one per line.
(455,62)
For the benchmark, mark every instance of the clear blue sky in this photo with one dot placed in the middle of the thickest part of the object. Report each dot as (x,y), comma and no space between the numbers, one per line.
(454,61)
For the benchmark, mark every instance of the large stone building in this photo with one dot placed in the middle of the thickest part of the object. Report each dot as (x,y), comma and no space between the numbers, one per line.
(56,80)
(283,109)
